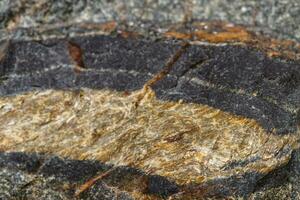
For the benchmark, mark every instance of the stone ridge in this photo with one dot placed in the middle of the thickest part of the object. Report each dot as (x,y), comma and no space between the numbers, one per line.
(233,78)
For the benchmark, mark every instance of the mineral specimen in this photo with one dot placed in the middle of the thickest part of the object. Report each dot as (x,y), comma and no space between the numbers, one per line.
(218,120)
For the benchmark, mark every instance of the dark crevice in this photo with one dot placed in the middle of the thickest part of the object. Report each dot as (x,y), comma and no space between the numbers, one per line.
(194,65)
(169,65)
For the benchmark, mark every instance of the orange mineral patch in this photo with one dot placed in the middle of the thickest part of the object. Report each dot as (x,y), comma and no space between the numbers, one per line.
(222,32)
(107,27)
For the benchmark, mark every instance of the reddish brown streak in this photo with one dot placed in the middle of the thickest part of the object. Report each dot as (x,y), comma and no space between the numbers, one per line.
(75,53)
(166,69)
(92,181)
(168,66)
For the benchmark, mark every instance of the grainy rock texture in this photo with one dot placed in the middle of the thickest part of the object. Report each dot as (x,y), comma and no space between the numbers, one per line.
(108,87)
(278,17)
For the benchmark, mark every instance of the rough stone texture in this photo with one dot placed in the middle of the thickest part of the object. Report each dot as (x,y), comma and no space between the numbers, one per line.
(233,78)
(277,17)
(190,144)
(36,176)
(114,63)
(248,86)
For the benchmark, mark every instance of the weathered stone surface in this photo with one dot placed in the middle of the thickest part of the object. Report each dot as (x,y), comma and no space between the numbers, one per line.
(233,78)
(234,69)
(215,153)
(54,122)
(276,17)
(194,145)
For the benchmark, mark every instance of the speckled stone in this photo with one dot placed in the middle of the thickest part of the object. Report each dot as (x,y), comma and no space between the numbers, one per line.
(275,17)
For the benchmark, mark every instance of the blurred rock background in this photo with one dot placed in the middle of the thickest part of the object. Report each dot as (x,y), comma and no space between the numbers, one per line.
(279,18)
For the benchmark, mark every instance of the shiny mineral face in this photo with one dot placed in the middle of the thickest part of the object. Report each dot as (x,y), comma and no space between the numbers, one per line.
(186,142)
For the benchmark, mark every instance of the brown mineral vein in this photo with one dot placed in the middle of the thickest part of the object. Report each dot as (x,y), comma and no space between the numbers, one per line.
(92,181)
(117,135)
(160,75)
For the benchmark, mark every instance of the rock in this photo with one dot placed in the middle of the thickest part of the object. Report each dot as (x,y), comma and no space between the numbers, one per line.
(277,17)
(233,78)
(201,131)
(114,93)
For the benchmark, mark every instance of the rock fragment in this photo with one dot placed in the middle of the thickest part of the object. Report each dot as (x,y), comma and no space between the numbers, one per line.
(222,117)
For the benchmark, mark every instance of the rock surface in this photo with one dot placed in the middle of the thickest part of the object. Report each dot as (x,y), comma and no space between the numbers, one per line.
(276,17)
(88,82)
(233,78)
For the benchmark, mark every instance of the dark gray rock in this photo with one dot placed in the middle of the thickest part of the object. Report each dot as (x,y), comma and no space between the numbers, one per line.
(234,78)
(23,173)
